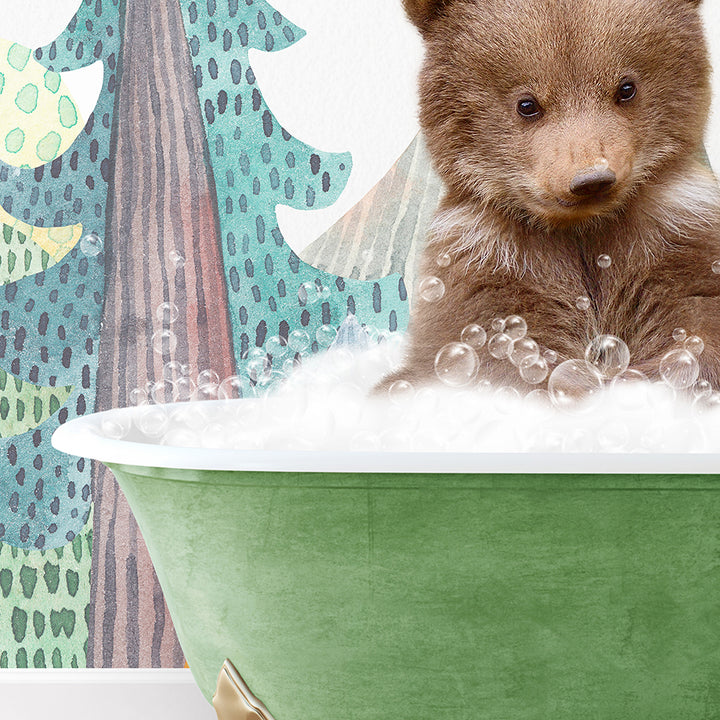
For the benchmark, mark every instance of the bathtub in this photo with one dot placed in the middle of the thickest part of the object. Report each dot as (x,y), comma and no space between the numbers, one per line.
(338,586)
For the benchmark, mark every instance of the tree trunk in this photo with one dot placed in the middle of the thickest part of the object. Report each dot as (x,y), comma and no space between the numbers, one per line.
(161,201)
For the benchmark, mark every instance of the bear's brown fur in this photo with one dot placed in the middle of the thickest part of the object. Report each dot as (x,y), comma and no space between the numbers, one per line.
(622,89)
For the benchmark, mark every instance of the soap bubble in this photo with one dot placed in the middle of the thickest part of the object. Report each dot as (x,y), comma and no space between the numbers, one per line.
(679,369)
(431,289)
(289,366)
(276,347)
(515,327)
(258,369)
(115,427)
(307,293)
(323,291)
(695,345)
(184,389)
(716,267)
(551,357)
(702,389)
(176,259)
(172,370)
(679,334)
(206,391)
(235,387)
(138,396)
(162,392)
(498,325)
(583,303)
(164,342)
(254,353)
(152,421)
(400,390)
(474,336)
(208,376)
(524,349)
(298,340)
(167,313)
(629,376)
(325,335)
(444,259)
(534,369)
(608,354)
(539,397)
(573,381)
(604,261)
(91,245)
(500,346)
(456,364)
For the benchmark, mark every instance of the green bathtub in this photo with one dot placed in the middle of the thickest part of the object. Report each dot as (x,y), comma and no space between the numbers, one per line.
(357,586)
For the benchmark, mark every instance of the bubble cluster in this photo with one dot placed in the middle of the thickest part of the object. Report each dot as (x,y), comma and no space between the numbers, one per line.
(323,404)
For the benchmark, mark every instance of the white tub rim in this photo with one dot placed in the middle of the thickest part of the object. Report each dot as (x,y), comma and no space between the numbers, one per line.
(83,437)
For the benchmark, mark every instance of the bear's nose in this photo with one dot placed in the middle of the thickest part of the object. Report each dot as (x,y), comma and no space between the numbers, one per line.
(592,181)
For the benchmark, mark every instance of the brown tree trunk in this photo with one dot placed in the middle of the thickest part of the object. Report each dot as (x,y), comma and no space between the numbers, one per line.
(161,200)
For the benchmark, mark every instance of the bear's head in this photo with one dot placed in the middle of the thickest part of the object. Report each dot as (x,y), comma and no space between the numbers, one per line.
(557,111)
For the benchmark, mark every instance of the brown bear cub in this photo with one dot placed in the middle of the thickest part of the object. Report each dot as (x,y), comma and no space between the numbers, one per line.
(566,130)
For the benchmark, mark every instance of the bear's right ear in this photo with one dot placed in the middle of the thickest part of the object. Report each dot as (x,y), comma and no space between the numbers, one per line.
(421,12)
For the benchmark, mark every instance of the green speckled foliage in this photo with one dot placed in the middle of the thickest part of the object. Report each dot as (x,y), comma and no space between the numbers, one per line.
(44,605)
(258,165)
(23,406)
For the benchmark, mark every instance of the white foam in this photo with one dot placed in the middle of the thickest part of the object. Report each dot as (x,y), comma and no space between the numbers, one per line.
(327,404)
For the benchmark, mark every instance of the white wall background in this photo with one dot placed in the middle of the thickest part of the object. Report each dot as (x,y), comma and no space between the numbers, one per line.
(348,85)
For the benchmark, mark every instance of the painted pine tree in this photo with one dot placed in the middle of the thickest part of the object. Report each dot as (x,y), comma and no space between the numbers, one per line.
(54,168)
(166,250)
(257,165)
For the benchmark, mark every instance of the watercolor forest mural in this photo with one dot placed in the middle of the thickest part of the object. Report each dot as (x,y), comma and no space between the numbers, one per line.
(141,246)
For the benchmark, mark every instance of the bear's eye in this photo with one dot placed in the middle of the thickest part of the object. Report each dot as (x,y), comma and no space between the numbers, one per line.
(529,107)
(626,91)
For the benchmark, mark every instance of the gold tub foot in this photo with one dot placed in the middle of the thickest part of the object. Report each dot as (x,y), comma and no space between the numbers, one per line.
(233,699)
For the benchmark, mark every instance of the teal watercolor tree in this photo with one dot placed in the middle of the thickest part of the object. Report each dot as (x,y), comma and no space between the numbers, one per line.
(258,165)
(53,191)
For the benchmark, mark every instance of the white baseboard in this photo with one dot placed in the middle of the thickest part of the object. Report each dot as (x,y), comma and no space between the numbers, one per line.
(101,695)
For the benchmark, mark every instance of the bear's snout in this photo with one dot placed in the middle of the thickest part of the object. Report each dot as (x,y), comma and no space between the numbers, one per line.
(592,181)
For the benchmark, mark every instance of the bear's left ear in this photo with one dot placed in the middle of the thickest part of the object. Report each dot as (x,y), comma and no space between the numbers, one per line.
(421,12)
